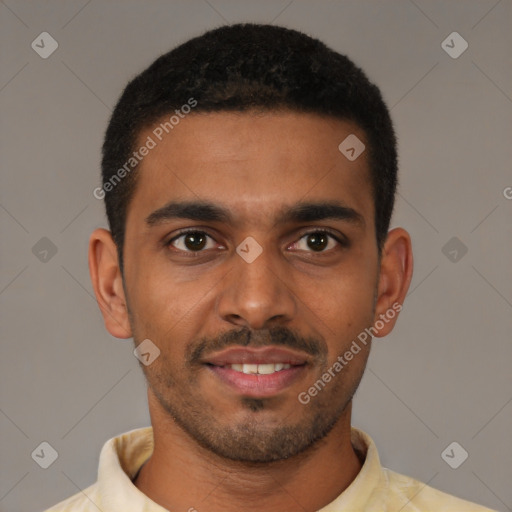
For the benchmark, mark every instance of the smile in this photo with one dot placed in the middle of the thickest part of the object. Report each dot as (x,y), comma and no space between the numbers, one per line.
(258,372)
(259,369)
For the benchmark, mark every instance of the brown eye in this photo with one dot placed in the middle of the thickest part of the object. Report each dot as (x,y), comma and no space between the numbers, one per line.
(317,241)
(192,241)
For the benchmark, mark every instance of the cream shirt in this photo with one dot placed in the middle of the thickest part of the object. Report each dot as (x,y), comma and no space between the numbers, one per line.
(375,489)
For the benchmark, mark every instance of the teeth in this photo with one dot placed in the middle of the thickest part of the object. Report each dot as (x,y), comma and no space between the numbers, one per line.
(266,369)
(259,369)
(250,368)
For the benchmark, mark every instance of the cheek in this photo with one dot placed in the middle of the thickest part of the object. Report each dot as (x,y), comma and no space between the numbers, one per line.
(163,306)
(344,302)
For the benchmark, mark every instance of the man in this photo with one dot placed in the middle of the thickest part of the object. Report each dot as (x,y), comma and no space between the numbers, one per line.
(249,179)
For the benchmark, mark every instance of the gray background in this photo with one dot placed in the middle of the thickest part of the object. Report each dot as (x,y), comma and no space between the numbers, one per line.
(444,373)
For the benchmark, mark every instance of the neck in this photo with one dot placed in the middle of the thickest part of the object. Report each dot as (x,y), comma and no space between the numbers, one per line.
(306,482)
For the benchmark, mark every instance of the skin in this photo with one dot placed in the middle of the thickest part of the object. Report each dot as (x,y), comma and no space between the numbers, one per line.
(253,165)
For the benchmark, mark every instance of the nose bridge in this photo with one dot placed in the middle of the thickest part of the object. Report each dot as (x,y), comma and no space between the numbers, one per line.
(255,292)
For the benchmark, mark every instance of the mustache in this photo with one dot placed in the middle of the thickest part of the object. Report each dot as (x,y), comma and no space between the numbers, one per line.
(245,337)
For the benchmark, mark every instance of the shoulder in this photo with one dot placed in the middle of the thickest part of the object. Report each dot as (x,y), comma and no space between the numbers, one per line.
(120,459)
(84,501)
(416,496)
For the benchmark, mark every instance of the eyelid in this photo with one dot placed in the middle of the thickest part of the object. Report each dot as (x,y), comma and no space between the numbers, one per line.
(338,237)
(185,231)
(341,239)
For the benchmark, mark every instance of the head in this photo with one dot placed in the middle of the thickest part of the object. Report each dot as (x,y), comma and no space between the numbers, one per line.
(240,232)
(237,69)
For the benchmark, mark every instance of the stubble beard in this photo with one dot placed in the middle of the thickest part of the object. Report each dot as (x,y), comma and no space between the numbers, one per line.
(251,440)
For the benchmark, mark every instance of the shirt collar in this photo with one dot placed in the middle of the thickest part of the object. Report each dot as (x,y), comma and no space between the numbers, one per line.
(356,495)
(122,457)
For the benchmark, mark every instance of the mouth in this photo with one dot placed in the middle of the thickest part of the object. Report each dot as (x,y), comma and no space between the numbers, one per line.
(258,373)
(259,369)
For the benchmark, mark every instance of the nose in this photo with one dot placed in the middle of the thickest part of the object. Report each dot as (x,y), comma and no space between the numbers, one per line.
(257,295)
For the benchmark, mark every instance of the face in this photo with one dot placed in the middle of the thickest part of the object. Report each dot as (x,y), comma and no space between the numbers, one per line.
(251,263)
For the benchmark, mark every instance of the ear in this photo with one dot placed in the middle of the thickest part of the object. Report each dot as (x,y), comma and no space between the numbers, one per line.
(107,282)
(394,280)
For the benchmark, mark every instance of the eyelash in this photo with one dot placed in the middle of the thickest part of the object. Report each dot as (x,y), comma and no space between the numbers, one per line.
(340,240)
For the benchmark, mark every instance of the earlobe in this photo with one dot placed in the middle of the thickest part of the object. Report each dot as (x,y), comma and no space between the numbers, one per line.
(396,269)
(107,282)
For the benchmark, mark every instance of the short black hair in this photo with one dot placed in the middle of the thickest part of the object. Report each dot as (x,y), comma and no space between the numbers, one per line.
(238,68)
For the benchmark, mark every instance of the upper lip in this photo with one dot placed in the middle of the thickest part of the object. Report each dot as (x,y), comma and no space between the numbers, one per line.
(260,355)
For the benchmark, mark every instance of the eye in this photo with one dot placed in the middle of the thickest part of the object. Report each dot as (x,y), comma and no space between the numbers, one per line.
(192,241)
(317,241)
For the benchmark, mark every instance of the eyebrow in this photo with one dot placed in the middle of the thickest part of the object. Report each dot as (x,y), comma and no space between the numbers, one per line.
(203,211)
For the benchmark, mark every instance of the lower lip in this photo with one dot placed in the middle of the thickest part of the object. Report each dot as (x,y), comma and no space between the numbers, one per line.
(255,385)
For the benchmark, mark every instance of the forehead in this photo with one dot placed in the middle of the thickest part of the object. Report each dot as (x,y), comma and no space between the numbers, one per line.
(251,163)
